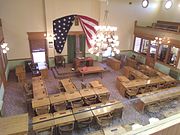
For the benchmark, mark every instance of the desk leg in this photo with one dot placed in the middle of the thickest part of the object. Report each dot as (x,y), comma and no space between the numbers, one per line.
(82,77)
(101,75)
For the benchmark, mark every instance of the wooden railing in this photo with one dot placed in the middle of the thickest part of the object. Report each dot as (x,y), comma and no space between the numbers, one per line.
(150,32)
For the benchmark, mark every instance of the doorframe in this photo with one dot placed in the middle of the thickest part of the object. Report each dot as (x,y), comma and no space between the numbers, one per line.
(38,36)
(77,34)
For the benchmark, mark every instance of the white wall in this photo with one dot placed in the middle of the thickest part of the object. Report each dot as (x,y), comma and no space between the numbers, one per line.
(172,14)
(22,16)
(18,18)
(123,15)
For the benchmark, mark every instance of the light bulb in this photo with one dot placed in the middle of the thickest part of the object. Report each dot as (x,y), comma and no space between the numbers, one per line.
(7,48)
(4,51)
(168,4)
(145,3)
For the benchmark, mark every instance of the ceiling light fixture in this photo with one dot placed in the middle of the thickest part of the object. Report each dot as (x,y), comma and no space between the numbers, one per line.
(168,4)
(145,3)
(105,38)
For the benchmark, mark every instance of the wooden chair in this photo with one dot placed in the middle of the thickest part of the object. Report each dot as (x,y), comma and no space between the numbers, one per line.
(103,97)
(59,61)
(91,100)
(42,110)
(66,128)
(28,91)
(46,131)
(60,106)
(77,103)
(131,92)
(85,123)
(104,121)
(83,85)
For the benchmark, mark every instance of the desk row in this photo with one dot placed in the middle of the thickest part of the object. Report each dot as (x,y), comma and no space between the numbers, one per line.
(83,116)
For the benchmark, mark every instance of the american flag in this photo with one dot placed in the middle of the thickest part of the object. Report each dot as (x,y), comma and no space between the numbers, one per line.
(62,26)
(88,25)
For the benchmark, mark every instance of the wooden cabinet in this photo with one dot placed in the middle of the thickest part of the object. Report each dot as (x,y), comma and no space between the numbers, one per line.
(113,63)
(20,73)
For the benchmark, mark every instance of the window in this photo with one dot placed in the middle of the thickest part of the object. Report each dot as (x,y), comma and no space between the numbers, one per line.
(163,49)
(137,44)
(173,59)
(144,48)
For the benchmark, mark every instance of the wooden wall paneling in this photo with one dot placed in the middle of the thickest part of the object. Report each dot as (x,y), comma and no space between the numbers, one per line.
(38,40)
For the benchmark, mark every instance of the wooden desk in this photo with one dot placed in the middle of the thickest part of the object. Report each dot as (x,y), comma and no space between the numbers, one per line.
(43,122)
(147,70)
(90,70)
(95,84)
(14,125)
(68,85)
(154,97)
(80,62)
(113,63)
(123,79)
(70,88)
(40,102)
(65,81)
(131,62)
(63,118)
(102,93)
(73,96)
(57,98)
(36,79)
(100,110)
(87,93)
(82,113)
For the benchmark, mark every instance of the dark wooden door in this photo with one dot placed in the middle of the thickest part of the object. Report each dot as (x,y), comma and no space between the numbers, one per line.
(71,43)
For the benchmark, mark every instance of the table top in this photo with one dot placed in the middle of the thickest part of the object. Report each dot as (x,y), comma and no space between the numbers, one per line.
(155,80)
(36,79)
(43,121)
(73,96)
(82,113)
(40,102)
(70,87)
(14,124)
(57,98)
(63,113)
(167,78)
(87,92)
(91,69)
(101,90)
(65,81)
(63,117)
(100,111)
(123,79)
(40,93)
(95,84)
(134,83)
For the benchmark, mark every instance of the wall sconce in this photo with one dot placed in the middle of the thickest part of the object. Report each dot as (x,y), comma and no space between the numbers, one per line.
(4,47)
(50,38)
